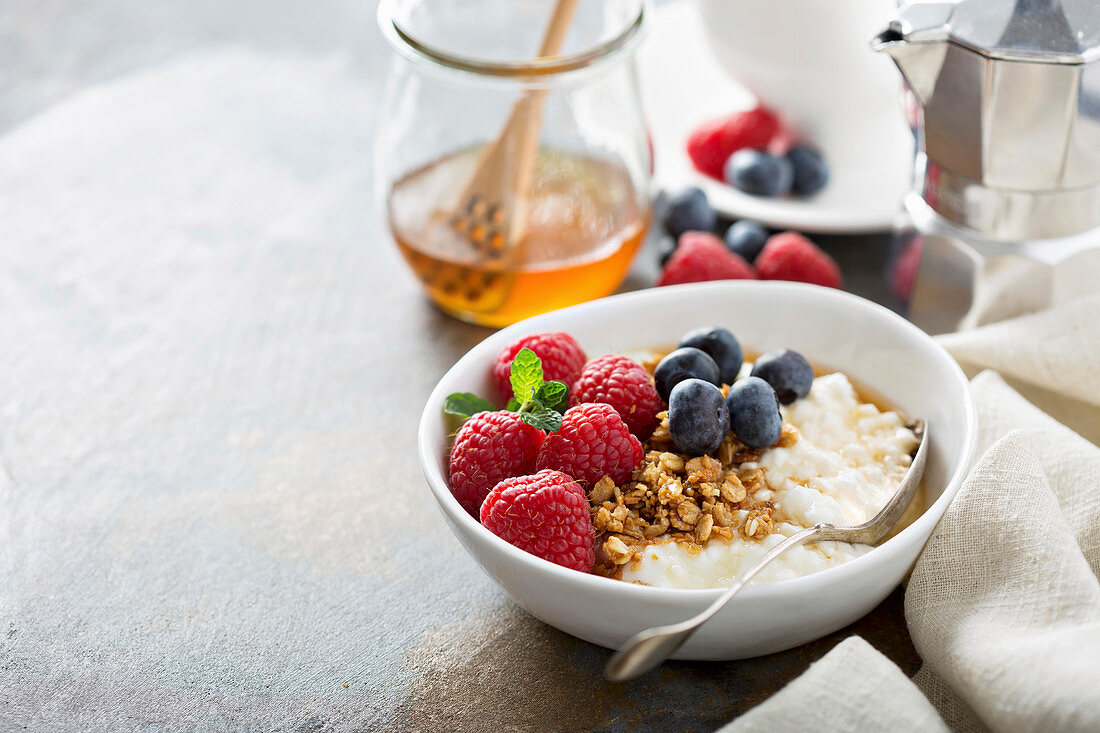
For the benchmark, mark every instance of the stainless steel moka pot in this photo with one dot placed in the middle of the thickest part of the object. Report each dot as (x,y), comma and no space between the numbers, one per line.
(1009,136)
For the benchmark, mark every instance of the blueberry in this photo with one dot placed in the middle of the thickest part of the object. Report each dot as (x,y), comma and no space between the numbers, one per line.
(746,238)
(686,363)
(754,412)
(665,248)
(758,173)
(689,211)
(787,372)
(721,346)
(811,173)
(698,418)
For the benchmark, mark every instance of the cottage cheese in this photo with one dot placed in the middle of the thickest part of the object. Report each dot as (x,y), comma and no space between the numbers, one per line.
(847,462)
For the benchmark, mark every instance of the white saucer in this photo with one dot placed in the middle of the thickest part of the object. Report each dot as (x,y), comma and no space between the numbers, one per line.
(683,85)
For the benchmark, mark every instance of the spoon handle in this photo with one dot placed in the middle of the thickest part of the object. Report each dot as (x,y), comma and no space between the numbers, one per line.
(647,649)
(798,538)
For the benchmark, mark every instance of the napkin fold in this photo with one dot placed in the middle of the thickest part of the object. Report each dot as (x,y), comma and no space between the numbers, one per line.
(1003,604)
(843,691)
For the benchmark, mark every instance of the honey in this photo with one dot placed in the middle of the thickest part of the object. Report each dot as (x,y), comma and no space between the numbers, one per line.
(586,220)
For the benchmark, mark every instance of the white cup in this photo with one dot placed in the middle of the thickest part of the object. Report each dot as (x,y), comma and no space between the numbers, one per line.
(811,61)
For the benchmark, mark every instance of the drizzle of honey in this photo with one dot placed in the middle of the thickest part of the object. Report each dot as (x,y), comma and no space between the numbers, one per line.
(585,223)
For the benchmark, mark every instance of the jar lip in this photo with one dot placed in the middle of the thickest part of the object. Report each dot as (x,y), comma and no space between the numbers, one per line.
(408,44)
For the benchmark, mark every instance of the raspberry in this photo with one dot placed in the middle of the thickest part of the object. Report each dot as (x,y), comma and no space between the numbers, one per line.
(714,141)
(593,442)
(562,359)
(489,447)
(702,256)
(621,382)
(545,514)
(790,256)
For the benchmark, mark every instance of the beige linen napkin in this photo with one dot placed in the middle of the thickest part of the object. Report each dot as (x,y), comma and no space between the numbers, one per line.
(1004,603)
(844,691)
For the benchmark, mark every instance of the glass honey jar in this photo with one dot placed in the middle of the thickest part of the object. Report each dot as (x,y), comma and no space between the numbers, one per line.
(461,72)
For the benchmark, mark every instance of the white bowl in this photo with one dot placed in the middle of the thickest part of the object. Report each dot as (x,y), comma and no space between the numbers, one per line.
(870,343)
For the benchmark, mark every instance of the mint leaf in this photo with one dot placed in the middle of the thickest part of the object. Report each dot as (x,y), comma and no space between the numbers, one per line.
(541,417)
(553,395)
(526,374)
(538,403)
(465,405)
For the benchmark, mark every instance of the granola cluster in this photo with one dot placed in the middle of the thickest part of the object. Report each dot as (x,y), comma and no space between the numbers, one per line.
(680,498)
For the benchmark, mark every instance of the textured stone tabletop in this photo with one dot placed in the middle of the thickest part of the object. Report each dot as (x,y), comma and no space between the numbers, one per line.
(212,364)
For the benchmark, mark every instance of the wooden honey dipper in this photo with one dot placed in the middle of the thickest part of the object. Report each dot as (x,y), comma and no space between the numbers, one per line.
(492,209)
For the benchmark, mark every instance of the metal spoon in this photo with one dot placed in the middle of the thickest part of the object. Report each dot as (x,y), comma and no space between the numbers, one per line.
(647,649)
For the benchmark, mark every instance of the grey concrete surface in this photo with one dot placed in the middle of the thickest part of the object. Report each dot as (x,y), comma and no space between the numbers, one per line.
(212,363)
